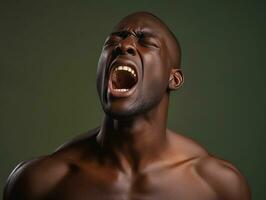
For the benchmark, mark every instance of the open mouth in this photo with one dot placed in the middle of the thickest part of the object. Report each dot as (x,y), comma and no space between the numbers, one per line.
(122,80)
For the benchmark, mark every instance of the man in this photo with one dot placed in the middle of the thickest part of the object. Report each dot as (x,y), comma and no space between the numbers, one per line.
(132,156)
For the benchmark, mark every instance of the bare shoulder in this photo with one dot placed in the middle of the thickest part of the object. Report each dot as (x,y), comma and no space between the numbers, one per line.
(224,178)
(186,146)
(221,176)
(34,179)
(37,178)
(87,137)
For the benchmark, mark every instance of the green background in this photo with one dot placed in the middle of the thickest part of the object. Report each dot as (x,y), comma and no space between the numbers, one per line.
(49,53)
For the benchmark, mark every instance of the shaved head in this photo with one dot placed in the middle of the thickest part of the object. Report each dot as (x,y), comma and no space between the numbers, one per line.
(138,66)
(173,43)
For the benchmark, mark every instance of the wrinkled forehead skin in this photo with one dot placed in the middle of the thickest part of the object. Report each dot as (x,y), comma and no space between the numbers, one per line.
(144,21)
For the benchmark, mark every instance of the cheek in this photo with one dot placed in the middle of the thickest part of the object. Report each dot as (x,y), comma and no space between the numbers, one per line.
(155,75)
(102,60)
(156,68)
(101,70)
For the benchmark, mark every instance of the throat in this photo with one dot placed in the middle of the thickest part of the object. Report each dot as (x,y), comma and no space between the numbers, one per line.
(140,140)
(135,143)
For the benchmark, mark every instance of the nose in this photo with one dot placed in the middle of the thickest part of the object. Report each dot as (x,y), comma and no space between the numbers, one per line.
(126,46)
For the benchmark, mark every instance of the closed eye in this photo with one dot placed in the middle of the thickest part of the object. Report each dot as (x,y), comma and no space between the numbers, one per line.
(110,41)
(146,40)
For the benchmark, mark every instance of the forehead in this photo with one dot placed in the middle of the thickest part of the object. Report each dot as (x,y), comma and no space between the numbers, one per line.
(143,23)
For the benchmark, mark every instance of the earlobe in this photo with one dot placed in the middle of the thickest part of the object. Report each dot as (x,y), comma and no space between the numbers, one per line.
(176,79)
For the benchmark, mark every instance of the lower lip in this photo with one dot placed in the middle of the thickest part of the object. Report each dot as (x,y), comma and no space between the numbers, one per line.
(120,94)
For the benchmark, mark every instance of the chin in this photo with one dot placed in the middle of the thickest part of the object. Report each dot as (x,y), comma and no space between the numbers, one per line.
(124,112)
(120,112)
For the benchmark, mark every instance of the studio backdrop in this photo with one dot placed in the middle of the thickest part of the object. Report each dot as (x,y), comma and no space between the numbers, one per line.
(49,53)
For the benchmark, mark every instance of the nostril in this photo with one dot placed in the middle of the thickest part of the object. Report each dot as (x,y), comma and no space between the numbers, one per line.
(118,50)
(131,51)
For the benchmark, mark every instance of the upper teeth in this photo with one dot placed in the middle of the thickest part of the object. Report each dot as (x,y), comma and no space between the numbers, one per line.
(126,68)
(121,90)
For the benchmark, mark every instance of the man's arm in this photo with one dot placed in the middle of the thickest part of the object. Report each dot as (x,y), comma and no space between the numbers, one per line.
(227,182)
(34,179)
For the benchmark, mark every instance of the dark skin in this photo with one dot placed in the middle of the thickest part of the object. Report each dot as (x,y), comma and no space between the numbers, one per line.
(132,155)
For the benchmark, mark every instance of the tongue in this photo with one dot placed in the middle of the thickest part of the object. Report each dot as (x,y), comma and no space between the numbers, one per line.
(123,80)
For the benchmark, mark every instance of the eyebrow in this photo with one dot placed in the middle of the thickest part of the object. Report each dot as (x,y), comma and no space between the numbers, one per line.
(135,33)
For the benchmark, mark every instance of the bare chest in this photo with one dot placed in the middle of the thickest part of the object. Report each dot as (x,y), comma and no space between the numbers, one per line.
(171,184)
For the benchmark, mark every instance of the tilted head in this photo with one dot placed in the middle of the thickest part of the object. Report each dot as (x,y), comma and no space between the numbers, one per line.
(139,64)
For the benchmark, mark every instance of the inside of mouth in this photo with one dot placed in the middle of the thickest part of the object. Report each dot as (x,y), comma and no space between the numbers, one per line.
(122,79)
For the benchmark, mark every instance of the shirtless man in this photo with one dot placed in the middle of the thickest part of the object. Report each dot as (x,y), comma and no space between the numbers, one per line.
(132,155)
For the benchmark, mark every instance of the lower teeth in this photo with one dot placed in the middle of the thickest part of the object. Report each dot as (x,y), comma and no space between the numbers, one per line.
(121,90)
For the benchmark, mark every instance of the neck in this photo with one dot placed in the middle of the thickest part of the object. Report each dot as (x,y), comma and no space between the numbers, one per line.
(139,140)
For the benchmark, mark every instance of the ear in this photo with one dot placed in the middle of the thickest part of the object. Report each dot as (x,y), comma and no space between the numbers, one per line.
(176,79)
